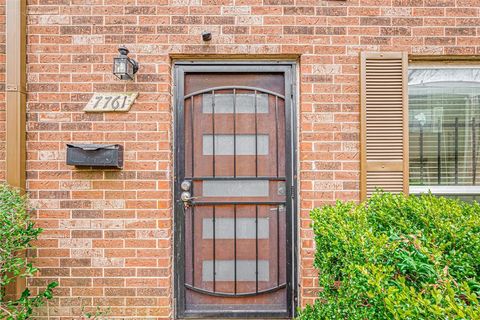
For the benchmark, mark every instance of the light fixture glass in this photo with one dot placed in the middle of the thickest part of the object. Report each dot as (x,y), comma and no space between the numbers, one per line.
(124,68)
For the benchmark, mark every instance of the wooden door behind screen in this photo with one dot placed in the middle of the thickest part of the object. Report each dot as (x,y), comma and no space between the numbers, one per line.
(233,193)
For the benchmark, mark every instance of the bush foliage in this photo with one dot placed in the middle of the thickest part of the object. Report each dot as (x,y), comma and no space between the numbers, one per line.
(397,257)
(17,231)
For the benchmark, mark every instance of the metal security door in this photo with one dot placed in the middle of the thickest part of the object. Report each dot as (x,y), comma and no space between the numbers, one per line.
(234,221)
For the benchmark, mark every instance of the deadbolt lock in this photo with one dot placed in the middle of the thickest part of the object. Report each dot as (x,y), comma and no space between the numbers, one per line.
(186,185)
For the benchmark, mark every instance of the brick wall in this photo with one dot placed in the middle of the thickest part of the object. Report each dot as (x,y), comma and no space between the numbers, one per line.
(108,234)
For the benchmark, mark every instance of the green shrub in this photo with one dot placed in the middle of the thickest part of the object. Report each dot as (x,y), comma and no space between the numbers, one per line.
(397,257)
(17,231)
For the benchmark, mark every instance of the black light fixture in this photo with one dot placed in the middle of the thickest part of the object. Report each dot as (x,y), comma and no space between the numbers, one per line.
(206,36)
(124,67)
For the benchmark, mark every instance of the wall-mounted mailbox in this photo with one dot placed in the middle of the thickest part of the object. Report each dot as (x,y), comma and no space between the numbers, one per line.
(95,155)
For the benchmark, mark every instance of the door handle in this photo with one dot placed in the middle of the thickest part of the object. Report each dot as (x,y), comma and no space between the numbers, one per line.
(187,197)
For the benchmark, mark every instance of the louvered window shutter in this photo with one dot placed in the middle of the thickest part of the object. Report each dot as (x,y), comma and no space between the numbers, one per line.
(384,122)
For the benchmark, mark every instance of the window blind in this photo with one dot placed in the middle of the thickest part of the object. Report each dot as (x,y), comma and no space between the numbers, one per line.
(444,125)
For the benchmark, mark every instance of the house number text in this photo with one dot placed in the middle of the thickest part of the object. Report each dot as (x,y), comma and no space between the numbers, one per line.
(111,101)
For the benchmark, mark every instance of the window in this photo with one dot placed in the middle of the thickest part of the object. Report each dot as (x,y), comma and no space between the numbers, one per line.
(444,128)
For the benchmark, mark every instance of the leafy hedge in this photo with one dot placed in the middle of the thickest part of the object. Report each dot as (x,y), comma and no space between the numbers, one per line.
(397,257)
(17,231)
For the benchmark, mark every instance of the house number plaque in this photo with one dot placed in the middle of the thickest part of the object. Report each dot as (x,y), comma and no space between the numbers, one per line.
(111,102)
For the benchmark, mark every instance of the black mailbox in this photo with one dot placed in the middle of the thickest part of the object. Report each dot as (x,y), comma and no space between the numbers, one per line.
(95,155)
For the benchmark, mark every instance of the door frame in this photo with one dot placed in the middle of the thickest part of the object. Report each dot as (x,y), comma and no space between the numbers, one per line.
(288,68)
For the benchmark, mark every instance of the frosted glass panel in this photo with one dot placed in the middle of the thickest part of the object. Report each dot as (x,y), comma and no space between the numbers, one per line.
(245,144)
(224,228)
(245,103)
(235,188)
(224,270)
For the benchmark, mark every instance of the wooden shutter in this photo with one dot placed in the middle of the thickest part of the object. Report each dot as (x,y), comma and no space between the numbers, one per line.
(384,122)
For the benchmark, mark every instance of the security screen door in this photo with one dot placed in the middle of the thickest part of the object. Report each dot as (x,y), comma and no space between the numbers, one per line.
(234,191)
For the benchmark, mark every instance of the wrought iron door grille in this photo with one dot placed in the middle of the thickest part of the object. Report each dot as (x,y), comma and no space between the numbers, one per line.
(212,94)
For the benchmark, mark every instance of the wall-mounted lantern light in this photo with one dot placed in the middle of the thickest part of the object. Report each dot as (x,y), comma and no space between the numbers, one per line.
(124,67)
